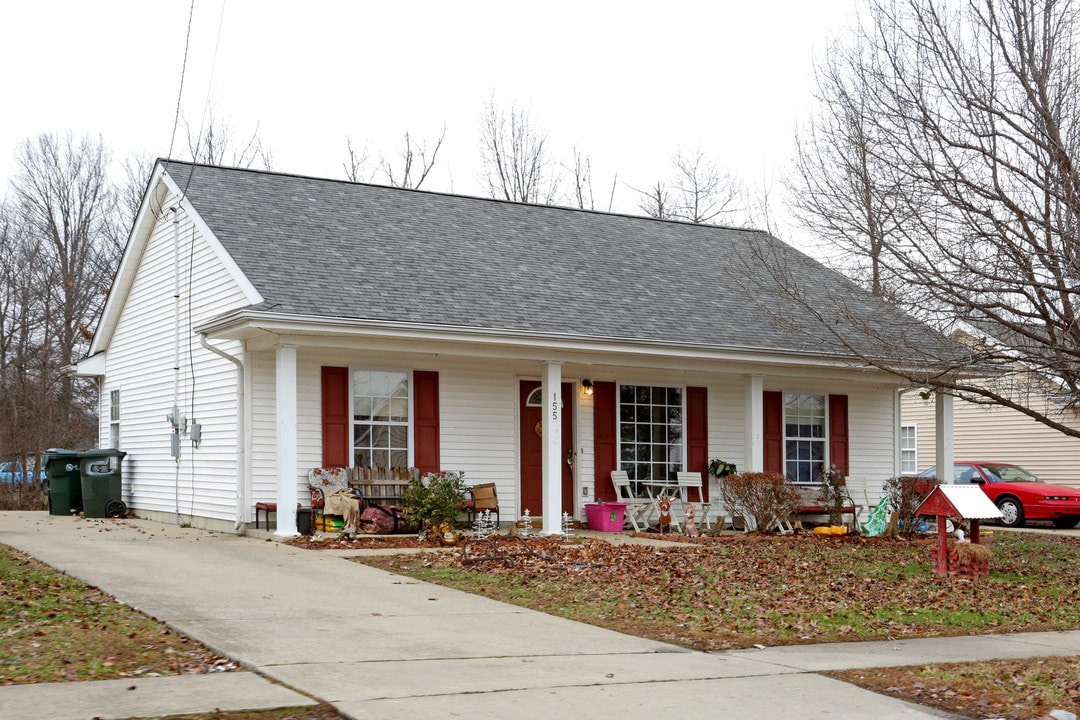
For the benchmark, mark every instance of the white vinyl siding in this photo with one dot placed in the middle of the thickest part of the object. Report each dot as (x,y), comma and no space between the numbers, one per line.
(140,360)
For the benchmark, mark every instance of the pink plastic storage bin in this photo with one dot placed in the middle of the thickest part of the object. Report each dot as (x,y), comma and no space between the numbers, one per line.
(605,517)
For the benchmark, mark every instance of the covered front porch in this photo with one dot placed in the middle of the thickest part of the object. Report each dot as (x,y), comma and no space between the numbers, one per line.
(547,425)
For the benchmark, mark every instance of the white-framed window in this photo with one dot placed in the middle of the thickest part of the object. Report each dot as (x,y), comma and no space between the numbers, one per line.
(651,431)
(804,437)
(381,410)
(909,449)
(114,419)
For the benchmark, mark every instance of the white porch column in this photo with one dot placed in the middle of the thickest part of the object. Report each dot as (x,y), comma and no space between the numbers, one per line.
(286,442)
(943,428)
(754,423)
(552,444)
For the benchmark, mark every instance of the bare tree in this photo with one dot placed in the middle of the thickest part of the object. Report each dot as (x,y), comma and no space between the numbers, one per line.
(700,191)
(973,111)
(59,261)
(517,163)
(417,159)
(130,188)
(217,144)
(357,169)
(840,190)
(581,172)
(655,202)
(703,190)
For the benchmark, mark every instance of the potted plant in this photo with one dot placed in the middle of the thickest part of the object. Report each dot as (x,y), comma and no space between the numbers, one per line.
(721,468)
(435,501)
(833,494)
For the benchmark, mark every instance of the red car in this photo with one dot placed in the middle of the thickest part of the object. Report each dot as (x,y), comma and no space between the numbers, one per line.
(1018,494)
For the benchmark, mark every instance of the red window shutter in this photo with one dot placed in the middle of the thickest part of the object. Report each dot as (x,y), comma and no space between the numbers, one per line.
(335,417)
(604,439)
(697,434)
(838,432)
(427,455)
(773,432)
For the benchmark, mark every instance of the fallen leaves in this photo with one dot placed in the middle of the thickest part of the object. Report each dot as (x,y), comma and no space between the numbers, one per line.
(740,591)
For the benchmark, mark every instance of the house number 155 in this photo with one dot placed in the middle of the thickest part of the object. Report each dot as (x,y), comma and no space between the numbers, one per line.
(554,406)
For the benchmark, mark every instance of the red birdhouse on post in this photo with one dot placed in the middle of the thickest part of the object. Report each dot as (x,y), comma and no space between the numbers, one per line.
(966,502)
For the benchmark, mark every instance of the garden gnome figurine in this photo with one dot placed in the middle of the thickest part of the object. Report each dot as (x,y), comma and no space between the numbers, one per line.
(690,528)
(664,503)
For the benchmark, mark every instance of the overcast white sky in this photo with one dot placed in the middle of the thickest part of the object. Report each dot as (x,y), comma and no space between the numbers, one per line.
(626,82)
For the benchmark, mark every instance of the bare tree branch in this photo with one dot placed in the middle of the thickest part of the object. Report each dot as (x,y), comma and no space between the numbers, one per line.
(517,163)
(942,162)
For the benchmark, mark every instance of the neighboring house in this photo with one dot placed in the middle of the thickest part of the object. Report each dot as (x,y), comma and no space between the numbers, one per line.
(992,433)
(274,323)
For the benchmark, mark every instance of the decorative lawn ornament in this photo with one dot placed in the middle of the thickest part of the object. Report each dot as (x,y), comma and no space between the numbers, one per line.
(690,527)
(664,503)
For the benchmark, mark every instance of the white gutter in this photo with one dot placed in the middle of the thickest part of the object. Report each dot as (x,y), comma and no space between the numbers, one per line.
(241,429)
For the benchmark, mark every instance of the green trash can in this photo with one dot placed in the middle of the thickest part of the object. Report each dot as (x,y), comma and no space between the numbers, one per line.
(65,482)
(102,491)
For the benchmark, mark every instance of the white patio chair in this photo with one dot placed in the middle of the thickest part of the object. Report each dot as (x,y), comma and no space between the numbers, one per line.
(689,483)
(637,508)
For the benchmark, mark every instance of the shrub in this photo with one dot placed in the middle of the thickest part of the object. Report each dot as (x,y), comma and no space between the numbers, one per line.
(24,496)
(766,498)
(435,498)
(905,495)
(833,494)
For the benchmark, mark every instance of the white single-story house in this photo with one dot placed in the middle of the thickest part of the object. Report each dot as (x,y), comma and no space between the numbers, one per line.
(264,324)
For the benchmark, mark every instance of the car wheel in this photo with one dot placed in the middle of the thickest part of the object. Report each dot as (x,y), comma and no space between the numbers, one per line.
(1066,521)
(1012,512)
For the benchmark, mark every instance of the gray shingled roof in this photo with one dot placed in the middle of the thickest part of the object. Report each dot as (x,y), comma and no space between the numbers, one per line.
(345,250)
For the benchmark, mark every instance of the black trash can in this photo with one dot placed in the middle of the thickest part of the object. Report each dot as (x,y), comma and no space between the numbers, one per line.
(303,520)
(102,491)
(64,479)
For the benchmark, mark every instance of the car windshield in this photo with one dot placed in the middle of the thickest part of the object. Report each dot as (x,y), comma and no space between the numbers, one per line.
(1008,473)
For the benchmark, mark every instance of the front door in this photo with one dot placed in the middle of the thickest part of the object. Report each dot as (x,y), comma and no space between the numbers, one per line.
(532,453)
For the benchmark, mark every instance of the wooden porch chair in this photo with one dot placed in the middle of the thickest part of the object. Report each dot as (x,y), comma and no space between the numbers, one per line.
(690,484)
(637,508)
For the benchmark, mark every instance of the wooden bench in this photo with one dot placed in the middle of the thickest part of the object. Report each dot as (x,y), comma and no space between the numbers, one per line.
(811,506)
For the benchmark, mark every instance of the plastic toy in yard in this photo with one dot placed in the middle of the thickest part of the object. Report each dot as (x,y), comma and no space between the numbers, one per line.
(878,520)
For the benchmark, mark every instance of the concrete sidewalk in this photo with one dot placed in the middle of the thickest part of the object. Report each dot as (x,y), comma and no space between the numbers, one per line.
(377,645)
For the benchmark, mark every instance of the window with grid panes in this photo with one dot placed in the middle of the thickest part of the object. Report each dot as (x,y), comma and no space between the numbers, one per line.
(114,419)
(650,431)
(909,450)
(804,437)
(380,406)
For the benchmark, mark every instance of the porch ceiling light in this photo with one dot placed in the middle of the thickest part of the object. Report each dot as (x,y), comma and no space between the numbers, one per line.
(586,387)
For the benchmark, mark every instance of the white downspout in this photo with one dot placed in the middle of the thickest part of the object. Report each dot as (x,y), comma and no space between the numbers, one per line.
(176,423)
(241,429)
